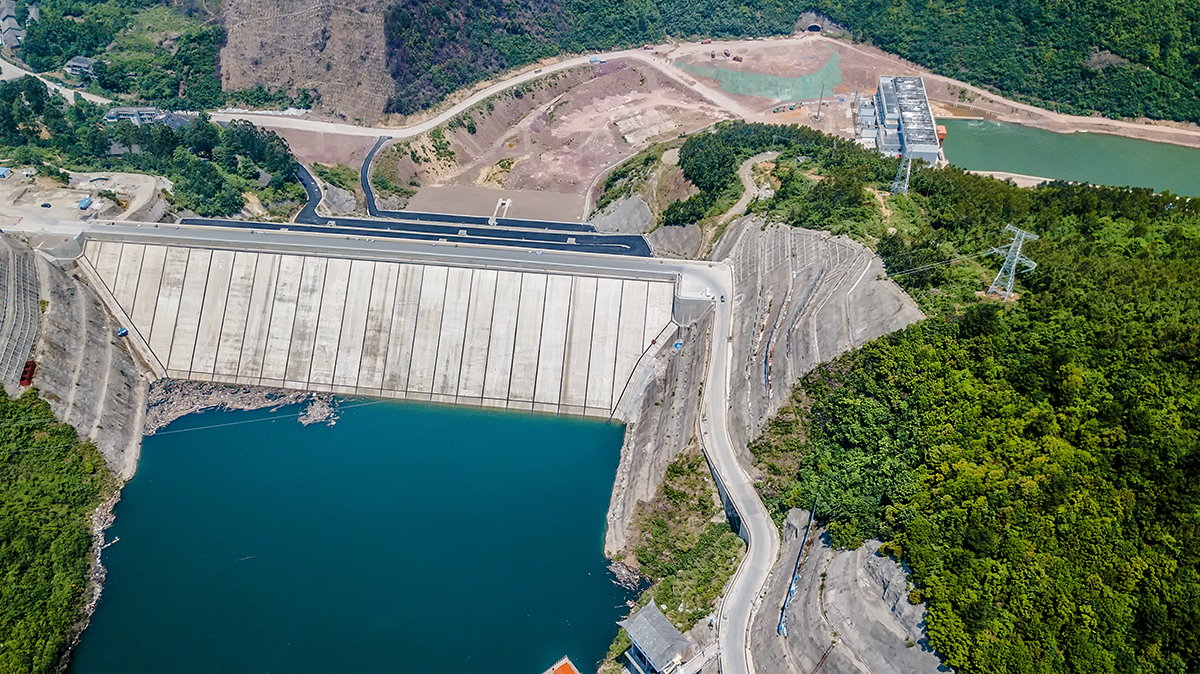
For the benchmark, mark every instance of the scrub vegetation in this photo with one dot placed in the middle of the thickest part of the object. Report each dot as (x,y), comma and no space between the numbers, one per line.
(1035,463)
(385,173)
(338,175)
(211,167)
(50,483)
(1127,59)
(684,546)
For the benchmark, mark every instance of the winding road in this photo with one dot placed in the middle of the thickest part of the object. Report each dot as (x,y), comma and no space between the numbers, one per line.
(740,602)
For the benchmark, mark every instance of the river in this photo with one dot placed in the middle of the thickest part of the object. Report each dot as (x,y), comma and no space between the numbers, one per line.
(1097,158)
(406,537)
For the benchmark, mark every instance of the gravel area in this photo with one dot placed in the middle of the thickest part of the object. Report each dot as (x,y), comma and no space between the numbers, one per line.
(171,399)
(850,609)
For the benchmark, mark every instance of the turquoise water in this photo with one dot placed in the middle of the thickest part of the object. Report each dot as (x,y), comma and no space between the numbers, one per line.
(770,86)
(1097,158)
(407,537)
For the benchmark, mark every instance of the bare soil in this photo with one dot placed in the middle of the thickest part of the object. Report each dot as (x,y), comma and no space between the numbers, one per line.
(526,204)
(557,140)
(324,148)
(337,50)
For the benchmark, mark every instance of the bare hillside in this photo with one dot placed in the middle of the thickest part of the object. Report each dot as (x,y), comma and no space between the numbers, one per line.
(337,50)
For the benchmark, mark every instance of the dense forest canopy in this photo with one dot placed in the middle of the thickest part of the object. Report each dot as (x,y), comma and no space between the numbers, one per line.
(1036,463)
(211,167)
(1132,58)
(437,46)
(50,483)
(1129,59)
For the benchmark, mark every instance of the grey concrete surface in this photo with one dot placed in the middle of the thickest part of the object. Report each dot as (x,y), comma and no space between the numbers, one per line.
(854,597)
(87,374)
(802,298)
(690,281)
(675,241)
(663,422)
(355,326)
(630,215)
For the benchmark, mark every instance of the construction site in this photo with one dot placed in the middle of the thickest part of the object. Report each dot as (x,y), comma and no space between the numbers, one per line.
(529,332)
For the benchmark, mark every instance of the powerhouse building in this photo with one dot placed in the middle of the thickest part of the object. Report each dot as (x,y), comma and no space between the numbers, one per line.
(899,120)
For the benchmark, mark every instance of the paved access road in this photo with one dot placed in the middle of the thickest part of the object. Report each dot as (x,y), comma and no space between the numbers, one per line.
(661,63)
(363,228)
(442,227)
(741,596)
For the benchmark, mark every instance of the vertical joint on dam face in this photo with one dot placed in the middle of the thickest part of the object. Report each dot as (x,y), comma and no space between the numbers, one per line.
(541,340)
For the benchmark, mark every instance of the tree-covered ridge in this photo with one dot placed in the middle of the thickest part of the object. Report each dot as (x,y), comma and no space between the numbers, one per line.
(1035,464)
(50,483)
(211,167)
(437,46)
(1124,59)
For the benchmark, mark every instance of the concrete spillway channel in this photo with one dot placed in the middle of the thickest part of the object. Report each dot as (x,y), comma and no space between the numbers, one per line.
(546,340)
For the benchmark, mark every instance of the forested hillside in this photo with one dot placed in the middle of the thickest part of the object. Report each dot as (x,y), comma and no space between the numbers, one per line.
(1129,59)
(1124,59)
(437,46)
(210,167)
(50,483)
(156,51)
(1036,464)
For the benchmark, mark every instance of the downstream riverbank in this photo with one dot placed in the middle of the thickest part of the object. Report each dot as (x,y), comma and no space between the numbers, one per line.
(1096,158)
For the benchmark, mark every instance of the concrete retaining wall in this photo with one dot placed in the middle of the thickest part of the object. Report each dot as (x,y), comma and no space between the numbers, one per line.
(529,340)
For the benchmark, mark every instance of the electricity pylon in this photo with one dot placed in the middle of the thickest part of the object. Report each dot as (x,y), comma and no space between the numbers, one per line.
(900,184)
(1012,257)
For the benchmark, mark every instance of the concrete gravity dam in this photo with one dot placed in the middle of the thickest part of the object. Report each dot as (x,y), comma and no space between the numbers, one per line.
(538,339)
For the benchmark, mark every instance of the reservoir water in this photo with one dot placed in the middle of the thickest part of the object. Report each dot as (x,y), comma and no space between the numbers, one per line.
(407,537)
(745,83)
(1097,158)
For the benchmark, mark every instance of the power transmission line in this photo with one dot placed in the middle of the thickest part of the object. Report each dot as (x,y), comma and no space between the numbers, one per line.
(903,173)
(1012,257)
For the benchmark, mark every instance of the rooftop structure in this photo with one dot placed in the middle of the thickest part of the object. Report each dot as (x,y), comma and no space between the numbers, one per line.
(899,119)
(80,66)
(657,646)
(563,666)
(145,115)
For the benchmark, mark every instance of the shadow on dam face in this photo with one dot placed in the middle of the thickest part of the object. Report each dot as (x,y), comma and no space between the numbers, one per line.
(515,339)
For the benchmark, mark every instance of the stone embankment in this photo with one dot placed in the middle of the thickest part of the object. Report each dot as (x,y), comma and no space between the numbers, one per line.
(802,298)
(19,313)
(850,608)
(171,399)
(662,423)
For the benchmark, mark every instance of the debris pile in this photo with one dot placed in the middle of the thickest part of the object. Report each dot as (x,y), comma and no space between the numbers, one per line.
(171,399)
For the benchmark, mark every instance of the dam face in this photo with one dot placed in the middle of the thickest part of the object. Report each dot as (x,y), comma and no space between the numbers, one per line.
(531,340)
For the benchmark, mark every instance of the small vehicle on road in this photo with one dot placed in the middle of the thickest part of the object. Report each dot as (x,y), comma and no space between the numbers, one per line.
(46,205)
(722,298)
